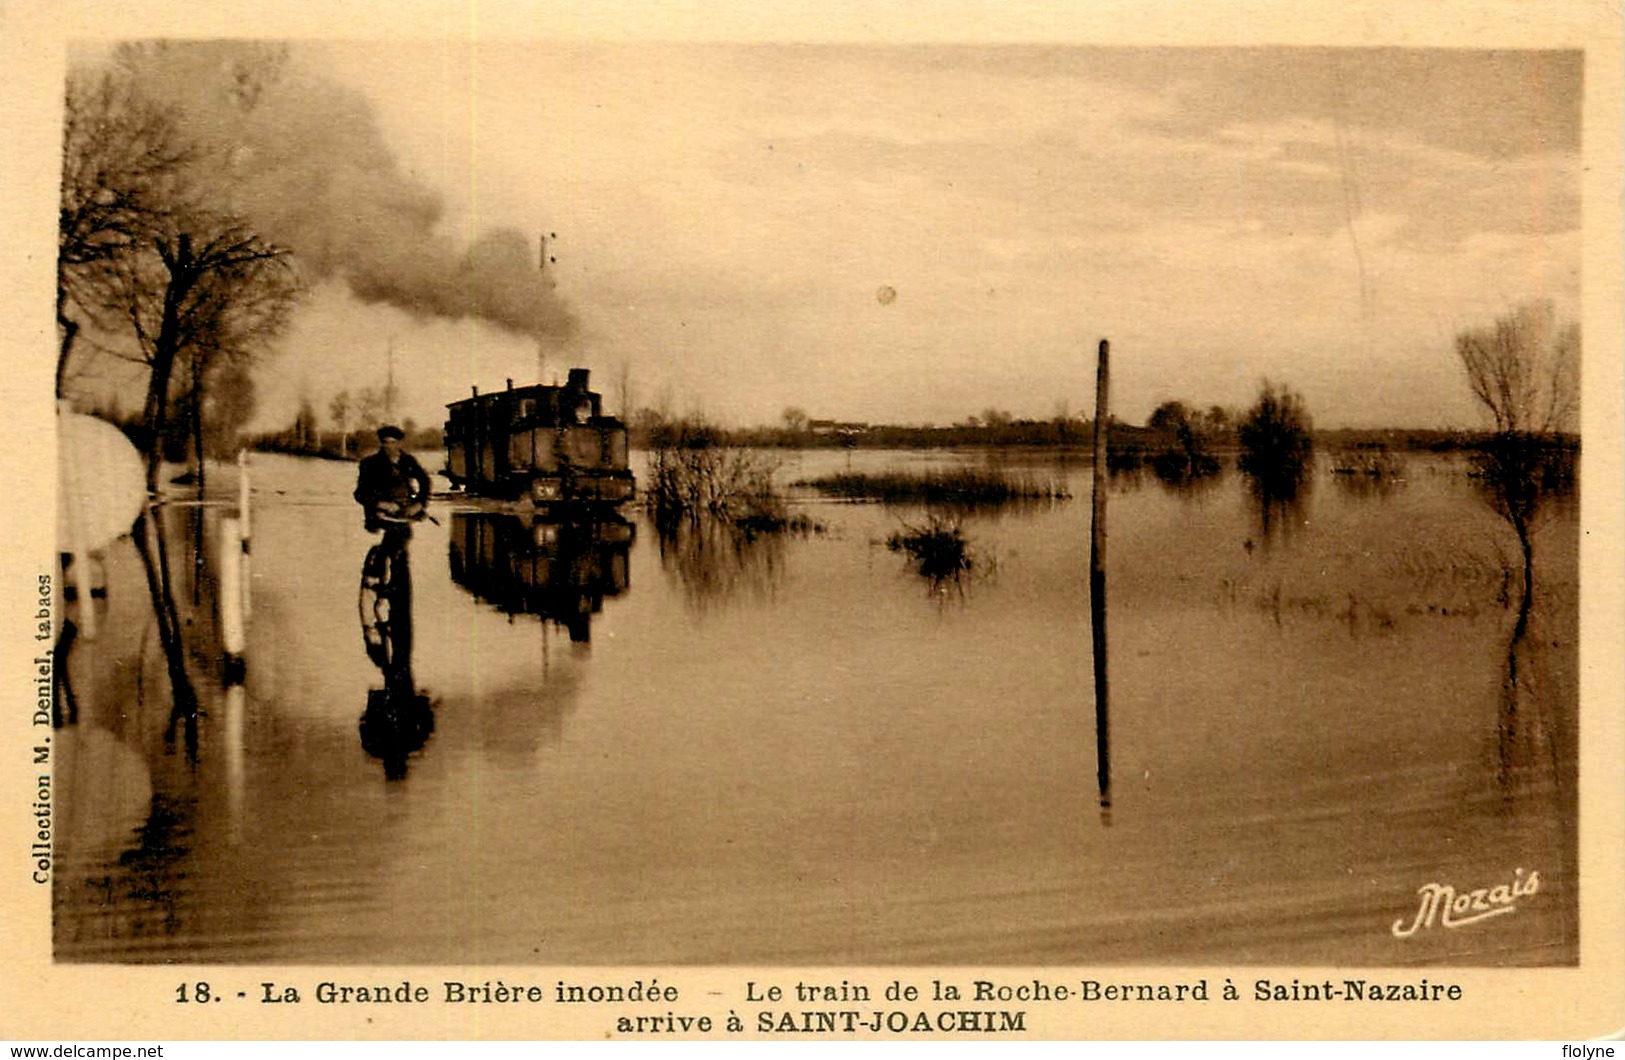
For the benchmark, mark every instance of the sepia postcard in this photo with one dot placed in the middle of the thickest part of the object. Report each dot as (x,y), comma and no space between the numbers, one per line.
(813,522)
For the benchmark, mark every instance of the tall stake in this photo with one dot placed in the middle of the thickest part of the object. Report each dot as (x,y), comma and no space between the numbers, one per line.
(1097,582)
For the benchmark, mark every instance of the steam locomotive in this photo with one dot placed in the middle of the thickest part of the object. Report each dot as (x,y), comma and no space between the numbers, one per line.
(551,445)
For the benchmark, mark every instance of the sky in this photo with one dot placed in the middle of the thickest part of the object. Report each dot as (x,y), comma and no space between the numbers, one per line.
(729,223)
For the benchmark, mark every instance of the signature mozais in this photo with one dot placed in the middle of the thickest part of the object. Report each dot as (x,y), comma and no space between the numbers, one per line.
(1440,903)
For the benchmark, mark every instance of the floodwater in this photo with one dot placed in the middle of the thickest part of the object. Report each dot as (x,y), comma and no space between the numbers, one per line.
(795,749)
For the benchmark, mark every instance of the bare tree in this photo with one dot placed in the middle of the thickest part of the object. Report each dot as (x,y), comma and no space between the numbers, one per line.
(204,283)
(122,157)
(151,243)
(1524,370)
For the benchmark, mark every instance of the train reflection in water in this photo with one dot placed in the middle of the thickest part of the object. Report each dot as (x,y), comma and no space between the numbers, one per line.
(559,570)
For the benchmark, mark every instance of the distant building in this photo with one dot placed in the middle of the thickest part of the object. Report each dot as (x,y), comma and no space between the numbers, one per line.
(823,427)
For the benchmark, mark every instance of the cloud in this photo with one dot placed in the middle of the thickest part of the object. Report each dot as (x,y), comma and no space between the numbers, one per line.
(304,157)
(730,211)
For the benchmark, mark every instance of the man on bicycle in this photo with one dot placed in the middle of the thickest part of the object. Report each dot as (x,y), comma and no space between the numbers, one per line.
(391,486)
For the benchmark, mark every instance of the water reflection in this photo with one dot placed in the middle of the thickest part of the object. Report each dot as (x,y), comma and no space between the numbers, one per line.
(63,693)
(1364,486)
(1127,472)
(1523,478)
(1382,752)
(714,561)
(1515,723)
(1280,495)
(151,874)
(151,543)
(398,719)
(1185,475)
(129,802)
(1535,751)
(561,571)
(1184,467)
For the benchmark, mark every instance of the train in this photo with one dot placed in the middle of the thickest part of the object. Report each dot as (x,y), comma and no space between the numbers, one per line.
(549,445)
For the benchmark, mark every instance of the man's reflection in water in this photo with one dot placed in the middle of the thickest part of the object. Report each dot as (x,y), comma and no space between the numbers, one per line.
(398,719)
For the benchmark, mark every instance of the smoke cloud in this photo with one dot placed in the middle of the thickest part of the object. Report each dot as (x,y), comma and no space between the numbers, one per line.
(305,160)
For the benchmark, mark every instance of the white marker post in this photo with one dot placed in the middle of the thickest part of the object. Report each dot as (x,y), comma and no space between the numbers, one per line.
(242,493)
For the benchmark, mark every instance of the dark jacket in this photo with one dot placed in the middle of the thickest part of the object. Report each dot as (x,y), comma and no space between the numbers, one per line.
(379,481)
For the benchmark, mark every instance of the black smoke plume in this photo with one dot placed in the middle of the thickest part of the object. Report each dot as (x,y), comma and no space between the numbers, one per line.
(305,160)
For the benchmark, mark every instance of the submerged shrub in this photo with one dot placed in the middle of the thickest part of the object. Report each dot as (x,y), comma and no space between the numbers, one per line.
(1184,448)
(1274,435)
(939,549)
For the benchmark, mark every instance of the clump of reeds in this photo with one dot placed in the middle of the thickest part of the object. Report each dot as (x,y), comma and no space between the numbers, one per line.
(692,477)
(939,549)
(1368,461)
(958,488)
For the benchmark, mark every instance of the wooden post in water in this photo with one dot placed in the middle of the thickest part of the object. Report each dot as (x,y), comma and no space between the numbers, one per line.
(1097,581)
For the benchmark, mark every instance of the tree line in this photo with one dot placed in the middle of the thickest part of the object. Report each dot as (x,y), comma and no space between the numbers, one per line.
(352,419)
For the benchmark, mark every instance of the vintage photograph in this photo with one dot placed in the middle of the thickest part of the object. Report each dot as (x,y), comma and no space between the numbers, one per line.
(619,502)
